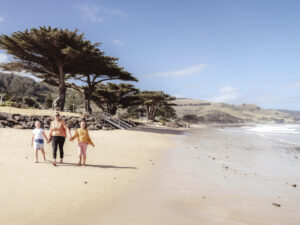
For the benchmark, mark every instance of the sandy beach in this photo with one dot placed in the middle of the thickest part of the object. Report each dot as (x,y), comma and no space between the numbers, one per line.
(42,194)
(153,176)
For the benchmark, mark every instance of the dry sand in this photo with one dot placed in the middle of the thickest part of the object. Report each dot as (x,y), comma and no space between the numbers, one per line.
(43,194)
(34,112)
(153,176)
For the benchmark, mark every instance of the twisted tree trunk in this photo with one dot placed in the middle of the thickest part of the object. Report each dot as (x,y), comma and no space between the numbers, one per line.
(62,89)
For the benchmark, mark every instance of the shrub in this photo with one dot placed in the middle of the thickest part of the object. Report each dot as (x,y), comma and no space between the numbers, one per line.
(30,102)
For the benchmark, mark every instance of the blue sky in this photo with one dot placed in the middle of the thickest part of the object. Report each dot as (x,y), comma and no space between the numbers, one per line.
(219,50)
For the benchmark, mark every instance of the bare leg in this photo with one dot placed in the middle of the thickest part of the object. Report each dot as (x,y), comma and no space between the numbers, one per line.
(79,163)
(84,153)
(61,160)
(36,156)
(84,159)
(54,162)
(43,152)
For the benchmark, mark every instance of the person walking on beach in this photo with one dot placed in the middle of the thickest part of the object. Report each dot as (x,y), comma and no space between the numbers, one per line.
(84,139)
(37,141)
(58,133)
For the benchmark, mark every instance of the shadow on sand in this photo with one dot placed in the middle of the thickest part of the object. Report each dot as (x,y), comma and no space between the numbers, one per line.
(97,166)
(158,130)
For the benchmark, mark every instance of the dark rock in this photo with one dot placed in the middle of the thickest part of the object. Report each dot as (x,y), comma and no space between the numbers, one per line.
(18,127)
(17,118)
(3,117)
(12,121)
(27,122)
(92,128)
(294,185)
(4,122)
(276,204)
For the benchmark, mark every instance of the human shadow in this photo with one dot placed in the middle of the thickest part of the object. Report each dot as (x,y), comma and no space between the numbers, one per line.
(97,166)
(158,130)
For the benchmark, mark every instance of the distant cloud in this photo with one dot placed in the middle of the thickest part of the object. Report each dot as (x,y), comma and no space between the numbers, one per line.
(96,13)
(4,58)
(179,96)
(181,72)
(294,85)
(226,94)
(90,12)
(119,42)
(1,19)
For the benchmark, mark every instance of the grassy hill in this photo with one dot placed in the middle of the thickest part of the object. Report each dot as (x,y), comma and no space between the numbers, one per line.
(210,112)
(23,86)
(19,89)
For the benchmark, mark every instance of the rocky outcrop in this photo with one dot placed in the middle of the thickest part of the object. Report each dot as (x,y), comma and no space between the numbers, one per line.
(27,122)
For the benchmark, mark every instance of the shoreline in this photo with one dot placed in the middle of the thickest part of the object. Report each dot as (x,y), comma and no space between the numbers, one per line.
(200,182)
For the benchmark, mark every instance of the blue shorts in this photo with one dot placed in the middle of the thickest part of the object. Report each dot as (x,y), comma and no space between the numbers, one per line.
(38,144)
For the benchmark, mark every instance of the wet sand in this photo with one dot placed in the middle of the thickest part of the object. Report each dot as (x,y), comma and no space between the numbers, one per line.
(217,177)
(154,176)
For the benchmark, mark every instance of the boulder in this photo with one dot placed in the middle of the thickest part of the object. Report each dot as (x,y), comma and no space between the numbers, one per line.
(18,127)
(4,122)
(12,121)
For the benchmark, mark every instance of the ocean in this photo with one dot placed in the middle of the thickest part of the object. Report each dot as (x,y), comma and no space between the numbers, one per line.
(281,132)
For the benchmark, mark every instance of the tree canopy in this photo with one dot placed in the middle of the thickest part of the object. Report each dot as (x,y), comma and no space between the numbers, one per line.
(151,101)
(109,97)
(45,52)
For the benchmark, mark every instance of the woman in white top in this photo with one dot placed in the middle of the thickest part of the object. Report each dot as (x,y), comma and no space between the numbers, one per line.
(37,141)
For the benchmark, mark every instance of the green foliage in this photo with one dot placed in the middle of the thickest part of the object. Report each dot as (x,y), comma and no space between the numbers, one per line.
(191,118)
(49,101)
(45,52)
(30,102)
(166,113)
(74,101)
(109,97)
(7,103)
(23,102)
(93,69)
(135,111)
(18,88)
(152,101)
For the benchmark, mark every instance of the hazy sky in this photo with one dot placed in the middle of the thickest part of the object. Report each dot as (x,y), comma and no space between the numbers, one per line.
(220,50)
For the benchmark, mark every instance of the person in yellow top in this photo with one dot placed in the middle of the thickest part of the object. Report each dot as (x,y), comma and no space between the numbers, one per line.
(84,140)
